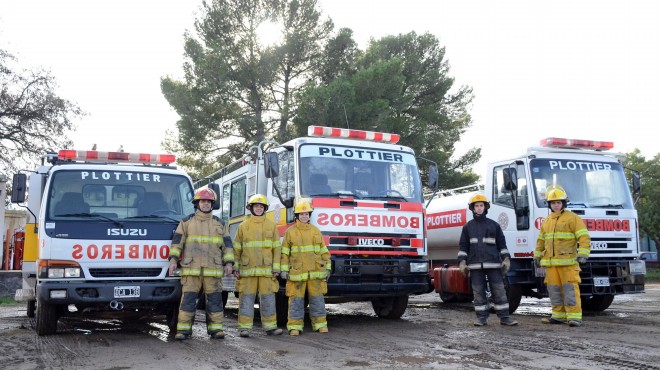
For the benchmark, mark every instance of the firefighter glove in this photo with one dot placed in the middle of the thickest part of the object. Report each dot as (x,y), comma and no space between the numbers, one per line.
(582,260)
(172,267)
(506,265)
(463,267)
(284,275)
(327,275)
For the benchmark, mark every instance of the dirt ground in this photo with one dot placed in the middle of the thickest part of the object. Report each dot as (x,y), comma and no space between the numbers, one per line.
(430,335)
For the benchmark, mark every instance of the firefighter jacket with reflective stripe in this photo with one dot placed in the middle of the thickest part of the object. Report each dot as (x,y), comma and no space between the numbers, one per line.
(563,238)
(482,244)
(257,247)
(202,245)
(304,254)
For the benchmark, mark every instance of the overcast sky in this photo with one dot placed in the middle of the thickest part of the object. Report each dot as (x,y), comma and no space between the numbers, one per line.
(575,69)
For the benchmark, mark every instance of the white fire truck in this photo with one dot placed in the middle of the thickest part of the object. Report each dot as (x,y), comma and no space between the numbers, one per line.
(598,192)
(99,235)
(367,197)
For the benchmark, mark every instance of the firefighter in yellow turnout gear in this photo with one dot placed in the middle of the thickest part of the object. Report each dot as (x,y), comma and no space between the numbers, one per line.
(201,245)
(257,250)
(306,266)
(562,245)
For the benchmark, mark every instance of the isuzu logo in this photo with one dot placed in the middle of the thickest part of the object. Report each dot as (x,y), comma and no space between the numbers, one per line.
(127,232)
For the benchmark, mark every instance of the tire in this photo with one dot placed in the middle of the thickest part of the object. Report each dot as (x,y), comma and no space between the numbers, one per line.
(390,307)
(31,308)
(597,303)
(172,318)
(448,297)
(225,297)
(47,316)
(514,293)
(282,308)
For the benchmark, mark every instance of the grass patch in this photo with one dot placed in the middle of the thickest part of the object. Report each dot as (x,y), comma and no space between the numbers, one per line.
(7,300)
(653,275)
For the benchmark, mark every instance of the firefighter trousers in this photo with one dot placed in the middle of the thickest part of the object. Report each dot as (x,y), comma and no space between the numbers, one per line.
(564,292)
(248,286)
(190,286)
(492,277)
(315,289)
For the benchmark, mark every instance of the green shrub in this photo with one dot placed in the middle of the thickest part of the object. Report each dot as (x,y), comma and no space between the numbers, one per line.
(7,300)
(653,275)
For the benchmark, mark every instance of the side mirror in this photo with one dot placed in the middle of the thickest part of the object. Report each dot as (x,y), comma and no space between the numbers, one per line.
(510,179)
(636,182)
(271,165)
(18,188)
(288,203)
(216,188)
(433,176)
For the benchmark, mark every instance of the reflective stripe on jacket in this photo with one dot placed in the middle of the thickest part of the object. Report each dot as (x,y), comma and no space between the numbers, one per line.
(304,254)
(202,245)
(482,244)
(257,247)
(563,238)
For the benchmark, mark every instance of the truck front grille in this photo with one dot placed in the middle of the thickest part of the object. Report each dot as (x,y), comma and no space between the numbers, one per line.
(124,272)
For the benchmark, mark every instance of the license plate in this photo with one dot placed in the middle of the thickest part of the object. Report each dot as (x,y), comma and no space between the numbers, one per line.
(127,291)
(601,281)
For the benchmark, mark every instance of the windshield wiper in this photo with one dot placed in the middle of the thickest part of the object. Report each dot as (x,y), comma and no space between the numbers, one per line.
(153,216)
(92,215)
(402,198)
(340,193)
(608,206)
(577,204)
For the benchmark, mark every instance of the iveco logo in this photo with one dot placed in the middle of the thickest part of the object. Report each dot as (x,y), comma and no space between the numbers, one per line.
(363,241)
(127,232)
(598,245)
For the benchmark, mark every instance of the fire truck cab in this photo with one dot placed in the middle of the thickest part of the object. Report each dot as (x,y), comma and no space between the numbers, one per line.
(598,192)
(99,235)
(367,197)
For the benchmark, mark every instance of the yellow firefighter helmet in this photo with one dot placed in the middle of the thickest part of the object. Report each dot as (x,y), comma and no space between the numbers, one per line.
(303,206)
(204,193)
(555,192)
(478,198)
(257,199)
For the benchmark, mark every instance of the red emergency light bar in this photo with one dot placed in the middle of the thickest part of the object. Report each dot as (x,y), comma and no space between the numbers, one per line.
(557,142)
(322,131)
(93,155)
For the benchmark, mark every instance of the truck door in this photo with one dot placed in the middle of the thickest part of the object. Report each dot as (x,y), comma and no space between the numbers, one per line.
(510,206)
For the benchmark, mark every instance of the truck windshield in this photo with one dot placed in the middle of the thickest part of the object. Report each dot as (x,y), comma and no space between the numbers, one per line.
(118,195)
(589,184)
(365,173)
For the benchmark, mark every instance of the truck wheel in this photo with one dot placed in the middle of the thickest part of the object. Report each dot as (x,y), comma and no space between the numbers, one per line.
(31,308)
(597,303)
(282,308)
(47,316)
(390,307)
(172,318)
(514,292)
(448,297)
(225,297)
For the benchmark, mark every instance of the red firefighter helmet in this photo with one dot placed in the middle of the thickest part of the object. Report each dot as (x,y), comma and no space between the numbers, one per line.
(204,193)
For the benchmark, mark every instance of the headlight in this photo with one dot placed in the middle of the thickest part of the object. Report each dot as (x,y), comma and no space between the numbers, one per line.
(73,272)
(419,267)
(62,272)
(55,273)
